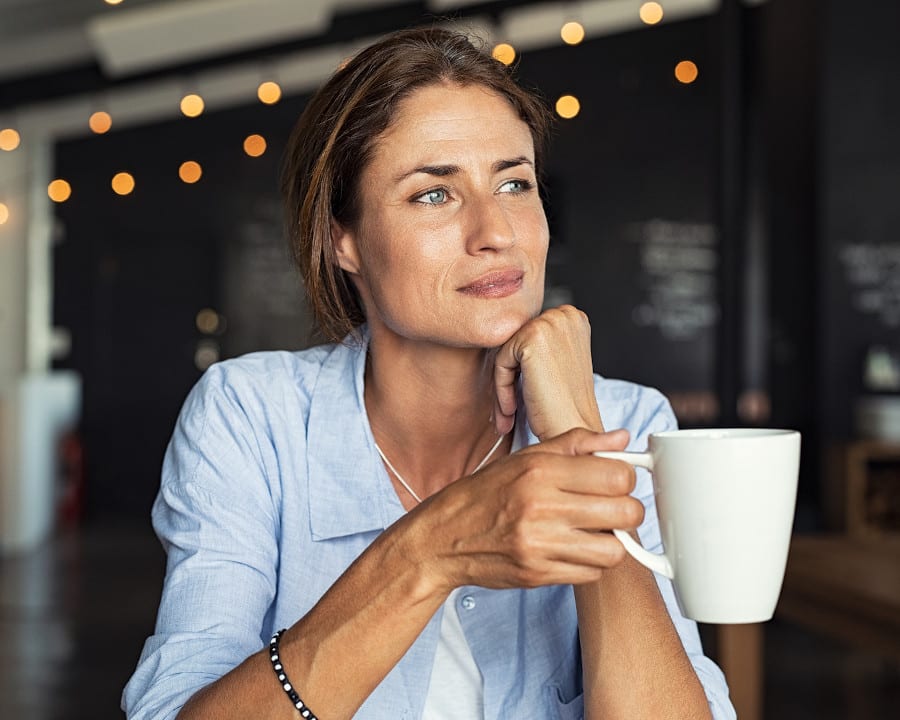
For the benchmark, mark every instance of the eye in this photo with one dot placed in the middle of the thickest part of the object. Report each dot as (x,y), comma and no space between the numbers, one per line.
(435,196)
(516,186)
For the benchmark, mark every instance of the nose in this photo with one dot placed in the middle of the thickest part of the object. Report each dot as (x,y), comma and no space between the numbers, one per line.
(490,228)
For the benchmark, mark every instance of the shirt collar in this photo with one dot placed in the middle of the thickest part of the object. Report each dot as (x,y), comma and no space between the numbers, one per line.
(349,490)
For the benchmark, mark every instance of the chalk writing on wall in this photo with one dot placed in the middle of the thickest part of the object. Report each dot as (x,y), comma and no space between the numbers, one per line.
(872,272)
(678,263)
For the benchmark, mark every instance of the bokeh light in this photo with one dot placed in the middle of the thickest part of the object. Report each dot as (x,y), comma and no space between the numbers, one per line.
(9,139)
(568,106)
(686,72)
(572,33)
(100,122)
(504,52)
(122,183)
(190,171)
(192,105)
(254,145)
(4,214)
(269,92)
(651,13)
(209,322)
(59,190)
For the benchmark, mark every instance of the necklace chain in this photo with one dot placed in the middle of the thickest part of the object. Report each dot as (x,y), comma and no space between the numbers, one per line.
(406,484)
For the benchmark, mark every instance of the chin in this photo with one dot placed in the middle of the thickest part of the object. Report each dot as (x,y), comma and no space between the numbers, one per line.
(494,332)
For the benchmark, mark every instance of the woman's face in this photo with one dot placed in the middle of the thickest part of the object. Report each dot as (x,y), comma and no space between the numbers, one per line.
(451,239)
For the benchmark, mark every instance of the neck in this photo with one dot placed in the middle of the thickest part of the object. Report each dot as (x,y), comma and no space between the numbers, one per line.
(430,408)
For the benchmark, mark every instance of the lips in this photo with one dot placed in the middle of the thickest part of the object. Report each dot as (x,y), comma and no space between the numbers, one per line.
(495,284)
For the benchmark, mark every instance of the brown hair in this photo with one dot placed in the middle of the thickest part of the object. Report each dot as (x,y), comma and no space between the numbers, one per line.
(334,137)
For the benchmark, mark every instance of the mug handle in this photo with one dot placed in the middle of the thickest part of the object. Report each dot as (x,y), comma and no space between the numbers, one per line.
(657,563)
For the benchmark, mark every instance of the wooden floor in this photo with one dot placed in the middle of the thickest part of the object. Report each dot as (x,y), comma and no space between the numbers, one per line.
(73,617)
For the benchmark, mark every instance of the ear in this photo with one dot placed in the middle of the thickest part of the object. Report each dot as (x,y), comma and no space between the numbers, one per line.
(345,248)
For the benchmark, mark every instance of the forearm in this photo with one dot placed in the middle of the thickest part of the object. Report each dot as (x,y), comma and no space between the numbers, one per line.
(341,650)
(634,663)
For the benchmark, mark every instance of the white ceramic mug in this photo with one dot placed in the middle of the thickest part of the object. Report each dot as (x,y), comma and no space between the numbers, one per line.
(725,499)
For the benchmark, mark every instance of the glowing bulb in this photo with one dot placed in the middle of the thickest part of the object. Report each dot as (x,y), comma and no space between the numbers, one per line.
(4,214)
(100,122)
(190,172)
(192,105)
(651,13)
(504,52)
(122,183)
(568,106)
(269,92)
(113,2)
(572,33)
(9,139)
(686,72)
(59,191)
(254,145)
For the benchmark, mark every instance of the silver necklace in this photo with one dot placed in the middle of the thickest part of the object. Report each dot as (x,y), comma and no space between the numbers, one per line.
(406,484)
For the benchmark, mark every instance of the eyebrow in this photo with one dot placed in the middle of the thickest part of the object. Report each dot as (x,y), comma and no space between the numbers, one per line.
(447,170)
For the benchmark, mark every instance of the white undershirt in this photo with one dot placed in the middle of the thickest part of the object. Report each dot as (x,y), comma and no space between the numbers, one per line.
(456,689)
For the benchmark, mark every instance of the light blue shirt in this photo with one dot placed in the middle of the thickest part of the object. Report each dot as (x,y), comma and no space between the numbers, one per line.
(271,487)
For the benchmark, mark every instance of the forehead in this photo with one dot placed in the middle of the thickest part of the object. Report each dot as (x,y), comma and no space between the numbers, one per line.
(445,116)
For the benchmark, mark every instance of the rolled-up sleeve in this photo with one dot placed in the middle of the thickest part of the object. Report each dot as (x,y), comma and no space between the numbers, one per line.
(215,517)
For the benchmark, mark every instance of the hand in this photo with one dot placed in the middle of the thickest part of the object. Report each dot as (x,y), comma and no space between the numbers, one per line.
(552,353)
(537,517)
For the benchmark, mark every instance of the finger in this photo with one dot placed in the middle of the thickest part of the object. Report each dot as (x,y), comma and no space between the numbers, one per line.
(507,364)
(542,474)
(572,557)
(580,441)
(602,514)
(503,423)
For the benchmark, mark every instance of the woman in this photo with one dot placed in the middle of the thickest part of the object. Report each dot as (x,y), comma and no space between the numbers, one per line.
(417,504)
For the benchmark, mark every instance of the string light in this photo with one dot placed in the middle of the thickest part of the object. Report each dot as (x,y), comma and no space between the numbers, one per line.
(59,190)
(269,92)
(504,52)
(4,214)
(568,106)
(572,33)
(122,183)
(190,172)
(192,105)
(254,145)
(100,122)
(9,139)
(686,72)
(651,13)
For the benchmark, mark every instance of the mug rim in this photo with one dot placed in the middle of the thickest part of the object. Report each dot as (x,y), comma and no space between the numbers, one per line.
(726,433)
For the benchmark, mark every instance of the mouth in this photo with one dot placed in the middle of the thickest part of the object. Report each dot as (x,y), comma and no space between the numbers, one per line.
(495,284)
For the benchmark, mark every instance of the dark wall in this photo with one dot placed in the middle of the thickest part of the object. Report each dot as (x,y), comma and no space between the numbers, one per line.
(859,212)
(132,272)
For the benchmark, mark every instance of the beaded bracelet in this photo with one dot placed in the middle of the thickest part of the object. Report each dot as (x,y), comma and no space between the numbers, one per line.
(283,678)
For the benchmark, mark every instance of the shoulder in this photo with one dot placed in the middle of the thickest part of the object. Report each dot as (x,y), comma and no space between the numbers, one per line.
(637,408)
(264,376)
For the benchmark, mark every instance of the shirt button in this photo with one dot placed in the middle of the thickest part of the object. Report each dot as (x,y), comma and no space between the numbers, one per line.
(468,602)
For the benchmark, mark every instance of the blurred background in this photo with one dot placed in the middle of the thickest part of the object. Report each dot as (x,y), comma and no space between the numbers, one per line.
(723,191)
